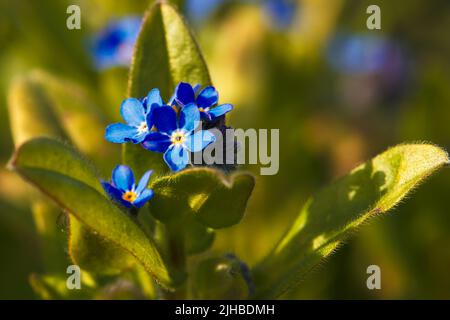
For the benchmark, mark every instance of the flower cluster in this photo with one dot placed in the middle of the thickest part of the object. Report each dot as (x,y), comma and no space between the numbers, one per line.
(174,129)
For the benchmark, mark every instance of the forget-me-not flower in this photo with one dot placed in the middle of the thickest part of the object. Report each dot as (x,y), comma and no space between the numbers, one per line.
(205,101)
(113,46)
(281,12)
(123,190)
(177,137)
(137,115)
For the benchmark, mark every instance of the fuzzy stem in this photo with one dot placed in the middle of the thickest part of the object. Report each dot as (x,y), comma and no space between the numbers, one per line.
(176,256)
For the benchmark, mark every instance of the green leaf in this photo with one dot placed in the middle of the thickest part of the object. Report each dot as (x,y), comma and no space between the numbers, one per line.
(30,112)
(165,54)
(94,253)
(43,105)
(198,238)
(113,85)
(54,287)
(219,279)
(215,200)
(338,210)
(62,174)
(48,220)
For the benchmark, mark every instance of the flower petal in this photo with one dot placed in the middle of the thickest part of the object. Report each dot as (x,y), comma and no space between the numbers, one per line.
(184,93)
(114,193)
(157,142)
(119,133)
(199,140)
(139,137)
(205,116)
(154,97)
(132,111)
(164,119)
(146,195)
(143,182)
(196,88)
(189,117)
(220,110)
(176,157)
(123,178)
(207,97)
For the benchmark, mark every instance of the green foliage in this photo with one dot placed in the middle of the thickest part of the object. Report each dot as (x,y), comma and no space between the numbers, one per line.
(44,105)
(165,54)
(198,238)
(53,287)
(94,253)
(62,174)
(189,206)
(213,199)
(30,112)
(219,278)
(337,211)
(48,220)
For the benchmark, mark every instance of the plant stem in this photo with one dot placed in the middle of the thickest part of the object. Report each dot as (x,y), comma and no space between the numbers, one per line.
(176,255)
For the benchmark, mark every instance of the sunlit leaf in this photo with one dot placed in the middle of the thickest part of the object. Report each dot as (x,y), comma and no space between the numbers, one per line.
(338,210)
(213,199)
(95,254)
(30,112)
(49,222)
(54,287)
(62,174)
(41,104)
(44,105)
(165,54)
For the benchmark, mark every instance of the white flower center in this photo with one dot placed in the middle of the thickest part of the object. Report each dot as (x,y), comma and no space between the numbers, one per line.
(142,128)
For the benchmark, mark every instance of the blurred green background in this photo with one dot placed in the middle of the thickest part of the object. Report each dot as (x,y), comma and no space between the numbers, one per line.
(338,92)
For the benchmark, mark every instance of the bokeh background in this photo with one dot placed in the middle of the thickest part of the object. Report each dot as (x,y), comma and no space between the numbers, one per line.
(338,92)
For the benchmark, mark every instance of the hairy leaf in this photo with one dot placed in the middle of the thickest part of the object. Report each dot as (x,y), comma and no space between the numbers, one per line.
(165,54)
(30,112)
(49,222)
(338,210)
(215,200)
(43,105)
(94,253)
(62,174)
(198,238)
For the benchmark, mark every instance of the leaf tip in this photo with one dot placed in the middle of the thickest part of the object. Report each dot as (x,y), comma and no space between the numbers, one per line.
(11,165)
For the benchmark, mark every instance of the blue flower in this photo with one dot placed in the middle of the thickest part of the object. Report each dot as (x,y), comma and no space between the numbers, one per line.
(137,115)
(123,190)
(207,98)
(199,10)
(177,137)
(364,53)
(113,46)
(281,12)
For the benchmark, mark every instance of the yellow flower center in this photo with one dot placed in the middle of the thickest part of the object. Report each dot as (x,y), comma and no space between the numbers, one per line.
(178,137)
(143,127)
(129,196)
